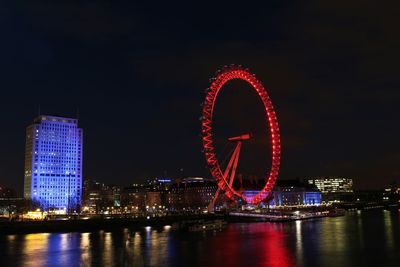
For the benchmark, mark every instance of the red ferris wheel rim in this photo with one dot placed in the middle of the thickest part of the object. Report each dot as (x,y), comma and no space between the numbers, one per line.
(223,76)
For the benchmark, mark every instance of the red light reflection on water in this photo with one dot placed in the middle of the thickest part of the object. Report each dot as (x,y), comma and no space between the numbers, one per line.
(256,244)
(276,252)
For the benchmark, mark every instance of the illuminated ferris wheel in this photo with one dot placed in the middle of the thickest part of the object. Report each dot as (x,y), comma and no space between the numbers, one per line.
(225,178)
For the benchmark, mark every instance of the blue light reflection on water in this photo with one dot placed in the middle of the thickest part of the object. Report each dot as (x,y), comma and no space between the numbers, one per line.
(370,238)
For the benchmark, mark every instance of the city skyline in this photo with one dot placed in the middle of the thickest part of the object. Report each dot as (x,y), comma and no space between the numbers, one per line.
(162,133)
(139,83)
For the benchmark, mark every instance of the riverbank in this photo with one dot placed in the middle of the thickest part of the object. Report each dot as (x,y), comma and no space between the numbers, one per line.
(85,225)
(110,224)
(79,225)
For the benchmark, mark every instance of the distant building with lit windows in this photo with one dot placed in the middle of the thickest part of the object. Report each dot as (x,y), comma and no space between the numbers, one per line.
(53,163)
(98,197)
(333,184)
(192,193)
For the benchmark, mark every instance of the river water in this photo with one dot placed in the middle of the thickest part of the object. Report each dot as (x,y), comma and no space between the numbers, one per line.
(368,238)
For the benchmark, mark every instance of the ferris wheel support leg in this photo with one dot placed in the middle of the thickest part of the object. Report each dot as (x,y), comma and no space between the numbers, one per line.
(231,162)
(230,169)
(234,167)
(212,203)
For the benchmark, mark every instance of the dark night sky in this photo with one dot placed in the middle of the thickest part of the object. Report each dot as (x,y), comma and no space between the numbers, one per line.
(138,72)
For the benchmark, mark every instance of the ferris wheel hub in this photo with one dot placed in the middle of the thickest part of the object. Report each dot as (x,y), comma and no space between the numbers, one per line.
(240,137)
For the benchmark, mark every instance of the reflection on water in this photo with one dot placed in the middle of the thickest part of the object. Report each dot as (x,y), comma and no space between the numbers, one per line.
(388,229)
(85,248)
(299,242)
(369,238)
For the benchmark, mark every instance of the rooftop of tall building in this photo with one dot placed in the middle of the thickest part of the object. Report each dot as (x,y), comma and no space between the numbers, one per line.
(51,118)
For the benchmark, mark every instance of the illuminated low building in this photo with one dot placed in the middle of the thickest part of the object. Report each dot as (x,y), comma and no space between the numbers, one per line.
(157,193)
(153,198)
(35,215)
(333,184)
(295,194)
(133,198)
(290,193)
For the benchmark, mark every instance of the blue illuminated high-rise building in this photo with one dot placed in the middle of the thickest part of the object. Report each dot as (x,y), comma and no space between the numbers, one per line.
(53,163)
